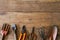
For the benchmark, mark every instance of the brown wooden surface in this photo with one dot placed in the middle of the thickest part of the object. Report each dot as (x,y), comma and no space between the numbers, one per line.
(32,5)
(31,19)
(30,13)
(42,18)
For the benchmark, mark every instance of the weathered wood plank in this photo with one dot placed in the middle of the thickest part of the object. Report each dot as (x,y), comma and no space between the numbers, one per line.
(35,19)
(29,6)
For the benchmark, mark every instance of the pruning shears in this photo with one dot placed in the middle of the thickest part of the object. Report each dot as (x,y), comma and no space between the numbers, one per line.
(23,33)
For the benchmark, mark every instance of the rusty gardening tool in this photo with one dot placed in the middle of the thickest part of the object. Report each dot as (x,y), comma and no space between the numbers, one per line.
(33,36)
(42,33)
(23,33)
(5,30)
(14,30)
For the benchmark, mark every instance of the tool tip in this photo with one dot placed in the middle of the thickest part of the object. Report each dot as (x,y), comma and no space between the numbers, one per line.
(13,26)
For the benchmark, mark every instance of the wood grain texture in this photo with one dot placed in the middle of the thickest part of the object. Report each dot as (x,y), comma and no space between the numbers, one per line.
(37,19)
(33,18)
(31,13)
(29,6)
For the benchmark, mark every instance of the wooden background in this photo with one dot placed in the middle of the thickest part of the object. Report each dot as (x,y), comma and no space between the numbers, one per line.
(30,5)
(30,19)
(30,13)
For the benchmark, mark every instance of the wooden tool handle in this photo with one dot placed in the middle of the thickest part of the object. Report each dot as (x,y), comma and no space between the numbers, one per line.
(3,37)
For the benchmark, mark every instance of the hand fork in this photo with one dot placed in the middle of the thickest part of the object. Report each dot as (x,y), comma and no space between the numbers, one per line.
(4,31)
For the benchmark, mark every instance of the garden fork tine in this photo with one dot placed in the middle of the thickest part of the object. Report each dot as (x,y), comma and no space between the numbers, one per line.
(3,27)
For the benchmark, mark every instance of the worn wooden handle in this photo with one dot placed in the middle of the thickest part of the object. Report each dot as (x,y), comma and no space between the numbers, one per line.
(3,37)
